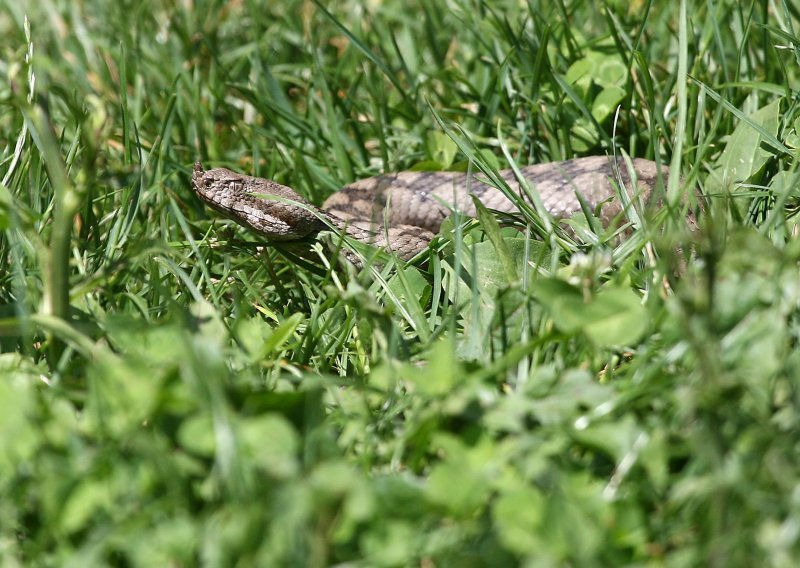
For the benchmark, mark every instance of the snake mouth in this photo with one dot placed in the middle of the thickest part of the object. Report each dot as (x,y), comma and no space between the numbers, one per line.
(203,182)
(199,182)
(200,185)
(197,173)
(204,185)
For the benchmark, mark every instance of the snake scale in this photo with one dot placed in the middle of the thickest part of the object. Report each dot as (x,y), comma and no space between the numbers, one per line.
(412,205)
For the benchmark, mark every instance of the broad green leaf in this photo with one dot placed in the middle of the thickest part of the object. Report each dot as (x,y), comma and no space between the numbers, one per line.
(492,270)
(271,442)
(601,68)
(122,395)
(618,317)
(281,334)
(615,439)
(427,166)
(196,434)
(579,74)
(564,302)
(390,544)
(518,516)
(441,373)
(605,104)
(408,285)
(6,203)
(17,403)
(744,155)
(575,511)
(584,134)
(793,138)
(610,70)
(492,229)
(89,499)
(441,148)
(459,488)
(573,390)
(614,316)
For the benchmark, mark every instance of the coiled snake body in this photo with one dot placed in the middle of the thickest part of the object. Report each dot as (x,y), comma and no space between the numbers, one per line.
(412,205)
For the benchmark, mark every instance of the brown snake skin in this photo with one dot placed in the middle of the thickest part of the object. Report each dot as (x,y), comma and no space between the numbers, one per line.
(417,201)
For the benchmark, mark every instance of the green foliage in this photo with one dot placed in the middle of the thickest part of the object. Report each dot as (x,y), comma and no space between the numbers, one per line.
(529,393)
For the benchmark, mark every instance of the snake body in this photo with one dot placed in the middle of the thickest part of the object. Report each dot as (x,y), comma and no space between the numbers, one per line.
(403,211)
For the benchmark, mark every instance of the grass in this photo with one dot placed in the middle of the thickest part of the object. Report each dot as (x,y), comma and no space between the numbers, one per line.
(172,393)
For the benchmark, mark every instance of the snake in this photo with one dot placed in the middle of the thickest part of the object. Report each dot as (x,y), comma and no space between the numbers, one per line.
(403,211)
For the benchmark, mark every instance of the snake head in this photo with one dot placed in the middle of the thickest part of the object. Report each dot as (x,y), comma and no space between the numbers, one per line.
(268,208)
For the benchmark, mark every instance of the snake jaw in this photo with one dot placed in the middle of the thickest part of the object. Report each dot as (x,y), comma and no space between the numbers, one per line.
(266,207)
